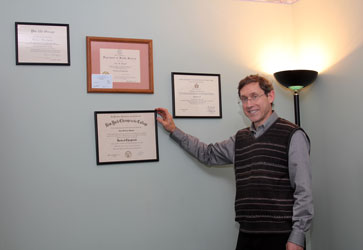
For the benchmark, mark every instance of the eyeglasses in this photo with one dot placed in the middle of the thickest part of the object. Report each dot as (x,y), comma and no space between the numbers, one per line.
(253,98)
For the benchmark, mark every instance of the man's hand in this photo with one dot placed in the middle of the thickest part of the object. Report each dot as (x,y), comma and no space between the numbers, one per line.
(165,119)
(292,246)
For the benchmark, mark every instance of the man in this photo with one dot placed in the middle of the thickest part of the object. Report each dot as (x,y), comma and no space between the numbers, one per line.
(273,178)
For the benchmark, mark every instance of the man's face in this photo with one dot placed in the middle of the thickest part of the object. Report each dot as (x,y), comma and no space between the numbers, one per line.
(256,105)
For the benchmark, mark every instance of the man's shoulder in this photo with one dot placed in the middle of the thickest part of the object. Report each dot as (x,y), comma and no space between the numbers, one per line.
(291,128)
(285,123)
(246,130)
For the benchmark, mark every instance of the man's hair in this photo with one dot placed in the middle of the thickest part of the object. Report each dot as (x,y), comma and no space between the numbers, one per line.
(264,83)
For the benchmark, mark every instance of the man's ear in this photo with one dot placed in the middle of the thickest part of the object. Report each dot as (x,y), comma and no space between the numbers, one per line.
(271,96)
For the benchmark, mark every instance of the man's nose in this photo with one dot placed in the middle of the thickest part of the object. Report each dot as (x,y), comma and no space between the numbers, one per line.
(249,102)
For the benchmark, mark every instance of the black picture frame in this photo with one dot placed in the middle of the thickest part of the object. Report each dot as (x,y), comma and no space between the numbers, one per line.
(126,136)
(196,95)
(42,44)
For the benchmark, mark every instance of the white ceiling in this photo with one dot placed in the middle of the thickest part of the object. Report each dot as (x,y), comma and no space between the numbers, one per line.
(274,1)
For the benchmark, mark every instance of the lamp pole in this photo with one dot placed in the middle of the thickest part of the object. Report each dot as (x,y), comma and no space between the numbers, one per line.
(297,108)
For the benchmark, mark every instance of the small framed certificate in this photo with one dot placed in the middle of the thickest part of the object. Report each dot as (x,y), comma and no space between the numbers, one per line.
(119,65)
(126,136)
(196,95)
(42,44)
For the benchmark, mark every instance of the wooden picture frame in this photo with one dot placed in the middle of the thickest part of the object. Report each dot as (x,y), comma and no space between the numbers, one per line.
(119,65)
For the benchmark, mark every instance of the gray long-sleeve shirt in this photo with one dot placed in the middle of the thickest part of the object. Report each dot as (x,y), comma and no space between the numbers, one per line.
(223,153)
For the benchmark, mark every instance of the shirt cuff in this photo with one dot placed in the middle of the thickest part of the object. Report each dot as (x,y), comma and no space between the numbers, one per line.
(177,135)
(297,237)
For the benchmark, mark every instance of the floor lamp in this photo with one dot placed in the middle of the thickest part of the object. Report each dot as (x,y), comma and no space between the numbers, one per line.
(296,80)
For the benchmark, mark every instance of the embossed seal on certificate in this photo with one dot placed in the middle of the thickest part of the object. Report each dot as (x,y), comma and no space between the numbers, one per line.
(128,154)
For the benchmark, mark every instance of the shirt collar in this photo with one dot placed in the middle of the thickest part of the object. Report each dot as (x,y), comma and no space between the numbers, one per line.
(273,117)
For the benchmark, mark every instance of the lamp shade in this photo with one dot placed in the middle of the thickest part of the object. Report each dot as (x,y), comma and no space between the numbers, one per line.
(296,79)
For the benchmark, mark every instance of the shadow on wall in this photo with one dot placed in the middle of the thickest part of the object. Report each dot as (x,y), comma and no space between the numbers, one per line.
(337,136)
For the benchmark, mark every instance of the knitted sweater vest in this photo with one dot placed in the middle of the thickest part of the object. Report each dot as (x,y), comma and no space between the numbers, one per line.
(264,196)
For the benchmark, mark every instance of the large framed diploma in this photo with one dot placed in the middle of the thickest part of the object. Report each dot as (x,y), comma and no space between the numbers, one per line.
(126,136)
(196,95)
(119,65)
(42,44)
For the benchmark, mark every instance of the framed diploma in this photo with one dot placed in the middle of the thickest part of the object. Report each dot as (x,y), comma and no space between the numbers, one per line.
(126,136)
(119,65)
(42,44)
(196,95)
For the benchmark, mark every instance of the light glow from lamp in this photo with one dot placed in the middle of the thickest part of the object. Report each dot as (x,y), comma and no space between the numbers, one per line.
(314,57)
(274,58)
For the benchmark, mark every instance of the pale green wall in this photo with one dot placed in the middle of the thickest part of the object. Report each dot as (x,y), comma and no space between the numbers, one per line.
(54,196)
(332,110)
